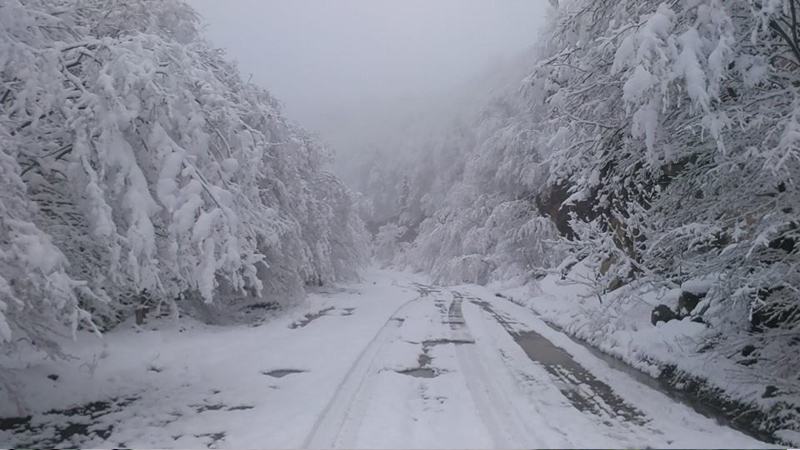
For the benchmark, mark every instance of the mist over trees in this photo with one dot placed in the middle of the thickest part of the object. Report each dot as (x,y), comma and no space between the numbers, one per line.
(655,142)
(641,162)
(139,170)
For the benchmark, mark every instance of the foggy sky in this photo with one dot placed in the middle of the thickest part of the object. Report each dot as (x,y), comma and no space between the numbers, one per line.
(341,65)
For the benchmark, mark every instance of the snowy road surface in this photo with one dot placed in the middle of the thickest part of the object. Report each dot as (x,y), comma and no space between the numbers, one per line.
(389,362)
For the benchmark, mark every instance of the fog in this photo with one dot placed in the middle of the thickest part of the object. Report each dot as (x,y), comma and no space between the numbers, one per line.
(353,70)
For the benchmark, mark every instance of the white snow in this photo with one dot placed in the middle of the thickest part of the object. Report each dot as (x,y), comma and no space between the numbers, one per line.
(621,327)
(334,373)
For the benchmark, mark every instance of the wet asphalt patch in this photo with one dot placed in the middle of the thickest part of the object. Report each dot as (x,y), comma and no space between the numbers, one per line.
(583,390)
(280,373)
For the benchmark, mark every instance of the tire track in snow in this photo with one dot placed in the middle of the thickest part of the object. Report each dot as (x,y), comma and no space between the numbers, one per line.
(585,392)
(502,420)
(335,423)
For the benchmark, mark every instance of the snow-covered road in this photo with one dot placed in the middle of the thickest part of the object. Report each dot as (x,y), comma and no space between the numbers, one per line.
(387,363)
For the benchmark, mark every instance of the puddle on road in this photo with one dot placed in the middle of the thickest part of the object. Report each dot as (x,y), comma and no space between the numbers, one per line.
(240,408)
(699,405)
(559,364)
(211,438)
(422,372)
(539,349)
(424,359)
(455,315)
(218,407)
(308,318)
(570,375)
(578,385)
(424,290)
(435,342)
(65,427)
(283,372)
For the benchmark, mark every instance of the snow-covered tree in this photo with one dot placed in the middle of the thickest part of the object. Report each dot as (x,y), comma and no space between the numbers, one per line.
(660,140)
(672,125)
(143,170)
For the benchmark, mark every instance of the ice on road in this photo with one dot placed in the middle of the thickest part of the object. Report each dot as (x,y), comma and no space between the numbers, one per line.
(389,362)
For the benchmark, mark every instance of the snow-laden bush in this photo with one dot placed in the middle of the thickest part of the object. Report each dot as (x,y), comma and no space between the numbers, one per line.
(141,169)
(37,297)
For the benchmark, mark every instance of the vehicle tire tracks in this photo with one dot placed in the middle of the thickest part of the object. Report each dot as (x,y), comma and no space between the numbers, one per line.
(504,423)
(336,423)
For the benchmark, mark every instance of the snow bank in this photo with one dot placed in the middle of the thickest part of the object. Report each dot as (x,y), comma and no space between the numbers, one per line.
(681,352)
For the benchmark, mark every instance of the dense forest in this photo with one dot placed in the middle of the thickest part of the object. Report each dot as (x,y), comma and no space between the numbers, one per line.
(140,171)
(642,150)
(653,143)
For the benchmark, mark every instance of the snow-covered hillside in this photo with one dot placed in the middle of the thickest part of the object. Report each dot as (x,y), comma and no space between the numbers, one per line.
(653,143)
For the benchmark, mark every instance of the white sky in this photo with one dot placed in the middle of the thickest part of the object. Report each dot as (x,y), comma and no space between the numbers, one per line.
(339,64)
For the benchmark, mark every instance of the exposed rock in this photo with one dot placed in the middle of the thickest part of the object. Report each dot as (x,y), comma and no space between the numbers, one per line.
(747,350)
(662,313)
(770,392)
(615,284)
(688,301)
(775,311)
